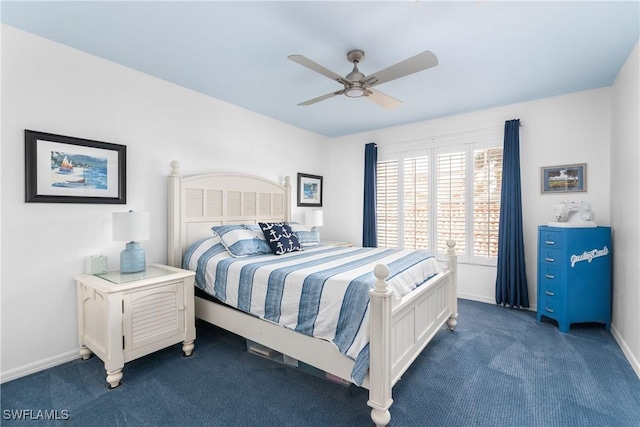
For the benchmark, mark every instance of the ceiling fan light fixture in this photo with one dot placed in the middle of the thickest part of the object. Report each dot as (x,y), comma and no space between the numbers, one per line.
(354,92)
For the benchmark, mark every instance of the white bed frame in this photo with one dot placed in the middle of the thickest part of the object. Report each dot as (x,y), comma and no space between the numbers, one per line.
(400,329)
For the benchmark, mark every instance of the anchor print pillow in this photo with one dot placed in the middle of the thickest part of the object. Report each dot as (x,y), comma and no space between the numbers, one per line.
(280,237)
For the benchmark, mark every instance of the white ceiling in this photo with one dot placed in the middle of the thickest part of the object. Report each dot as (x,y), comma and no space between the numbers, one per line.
(490,53)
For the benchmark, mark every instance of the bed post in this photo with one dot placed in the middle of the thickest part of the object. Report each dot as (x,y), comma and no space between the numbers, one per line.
(380,349)
(174,255)
(452,266)
(287,199)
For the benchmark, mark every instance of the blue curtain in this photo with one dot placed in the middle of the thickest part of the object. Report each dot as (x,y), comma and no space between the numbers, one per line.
(369,236)
(511,280)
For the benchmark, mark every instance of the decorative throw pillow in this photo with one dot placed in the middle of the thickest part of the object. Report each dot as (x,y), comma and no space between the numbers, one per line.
(241,241)
(280,237)
(305,236)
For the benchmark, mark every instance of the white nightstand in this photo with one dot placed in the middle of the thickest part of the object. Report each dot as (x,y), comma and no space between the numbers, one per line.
(125,316)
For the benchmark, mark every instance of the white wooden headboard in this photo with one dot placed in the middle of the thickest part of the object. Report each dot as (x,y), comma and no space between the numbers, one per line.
(198,202)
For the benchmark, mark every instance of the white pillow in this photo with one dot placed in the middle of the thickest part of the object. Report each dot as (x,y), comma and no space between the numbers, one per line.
(241,241)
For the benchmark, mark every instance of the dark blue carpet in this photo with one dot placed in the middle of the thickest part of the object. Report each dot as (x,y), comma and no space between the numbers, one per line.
(499,368)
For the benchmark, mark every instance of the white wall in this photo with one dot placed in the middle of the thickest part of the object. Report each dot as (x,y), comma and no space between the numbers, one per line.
(625,208)
(52,88)
(567,129)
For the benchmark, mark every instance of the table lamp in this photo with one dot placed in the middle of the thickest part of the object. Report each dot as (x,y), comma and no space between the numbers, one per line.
(313,219)
(131,227)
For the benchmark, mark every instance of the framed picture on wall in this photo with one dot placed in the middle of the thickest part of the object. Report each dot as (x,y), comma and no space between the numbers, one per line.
(564,179)
(309,190)
(64,169)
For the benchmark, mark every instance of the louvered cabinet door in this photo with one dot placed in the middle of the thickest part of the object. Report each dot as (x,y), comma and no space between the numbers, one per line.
(152,316)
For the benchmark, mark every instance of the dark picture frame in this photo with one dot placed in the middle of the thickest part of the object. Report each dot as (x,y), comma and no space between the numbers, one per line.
(64,169)
(564,178)
(309,190)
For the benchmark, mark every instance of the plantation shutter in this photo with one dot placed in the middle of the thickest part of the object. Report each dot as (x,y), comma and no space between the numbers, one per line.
(487,179)
(387,203)
(450,199)
(416,203)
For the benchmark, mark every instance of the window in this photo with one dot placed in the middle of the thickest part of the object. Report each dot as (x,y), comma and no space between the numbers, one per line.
(451,199)
(450,191)
(387,204)
(487,180)
(416,203)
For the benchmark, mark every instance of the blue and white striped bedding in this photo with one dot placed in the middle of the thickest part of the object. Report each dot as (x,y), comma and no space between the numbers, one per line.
(322,291)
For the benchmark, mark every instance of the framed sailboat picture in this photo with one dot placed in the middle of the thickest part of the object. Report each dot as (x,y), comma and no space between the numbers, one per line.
(63,169)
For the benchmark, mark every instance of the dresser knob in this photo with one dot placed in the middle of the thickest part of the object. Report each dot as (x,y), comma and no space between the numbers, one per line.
(550,310)
(549,276)
(549,242)
(549,259)
(549,293)
(181,308)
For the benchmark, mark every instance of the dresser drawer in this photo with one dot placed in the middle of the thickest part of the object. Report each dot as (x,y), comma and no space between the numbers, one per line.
(550,290)
(550,239)
(549,273)
(549,307)
(549,256)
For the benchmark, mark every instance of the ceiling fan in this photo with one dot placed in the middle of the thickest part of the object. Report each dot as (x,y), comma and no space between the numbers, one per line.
(358,85)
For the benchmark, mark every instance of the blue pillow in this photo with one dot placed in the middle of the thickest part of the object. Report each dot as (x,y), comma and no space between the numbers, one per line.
(308,238)
(280,237)
(240,241)
(305,236)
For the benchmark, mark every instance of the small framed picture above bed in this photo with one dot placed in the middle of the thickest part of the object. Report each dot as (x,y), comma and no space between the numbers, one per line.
(309,190)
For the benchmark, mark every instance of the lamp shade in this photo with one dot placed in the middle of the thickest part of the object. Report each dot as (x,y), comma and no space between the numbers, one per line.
(130,226)
(314,218)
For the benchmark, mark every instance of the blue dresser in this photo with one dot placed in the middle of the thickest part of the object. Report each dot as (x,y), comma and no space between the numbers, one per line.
(574,275)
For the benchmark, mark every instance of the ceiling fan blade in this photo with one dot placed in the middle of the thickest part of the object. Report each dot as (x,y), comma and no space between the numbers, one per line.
(416,63)
(322,98)
(382,99)
(306,62)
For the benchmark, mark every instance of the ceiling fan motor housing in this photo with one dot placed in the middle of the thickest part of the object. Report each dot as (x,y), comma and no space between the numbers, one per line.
(356,89)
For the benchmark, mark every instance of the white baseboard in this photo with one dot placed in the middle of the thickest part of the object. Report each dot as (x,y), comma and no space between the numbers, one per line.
(38,366)
(633,361)
(487,300)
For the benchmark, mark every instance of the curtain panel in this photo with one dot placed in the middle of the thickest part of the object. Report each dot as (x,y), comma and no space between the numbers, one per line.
(369,234)
(511,280)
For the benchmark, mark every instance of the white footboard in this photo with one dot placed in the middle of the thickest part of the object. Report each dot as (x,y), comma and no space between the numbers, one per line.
(400,332)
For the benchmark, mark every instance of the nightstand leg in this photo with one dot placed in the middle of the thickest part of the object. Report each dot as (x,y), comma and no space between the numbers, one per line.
(114,377)
(187,348)
(85,353)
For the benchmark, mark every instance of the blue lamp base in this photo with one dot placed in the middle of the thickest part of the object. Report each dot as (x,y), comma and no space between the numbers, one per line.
(132,259)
